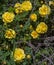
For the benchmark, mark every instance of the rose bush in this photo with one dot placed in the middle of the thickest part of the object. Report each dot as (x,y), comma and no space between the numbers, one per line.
(21,23)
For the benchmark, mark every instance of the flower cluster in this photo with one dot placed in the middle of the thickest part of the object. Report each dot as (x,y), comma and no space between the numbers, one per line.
(25,6)
(24,21)
(40,29)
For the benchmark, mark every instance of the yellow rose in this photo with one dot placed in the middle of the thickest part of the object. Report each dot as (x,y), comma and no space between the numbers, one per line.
(42,28)
(34,34)
(26,6)
(8,17)
(44,10)
(10,34)
(33,17)
(18,8)
(19,54)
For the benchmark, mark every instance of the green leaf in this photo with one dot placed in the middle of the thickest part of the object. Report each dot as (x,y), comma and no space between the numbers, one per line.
(20,17)
(12,62)
(11,9)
